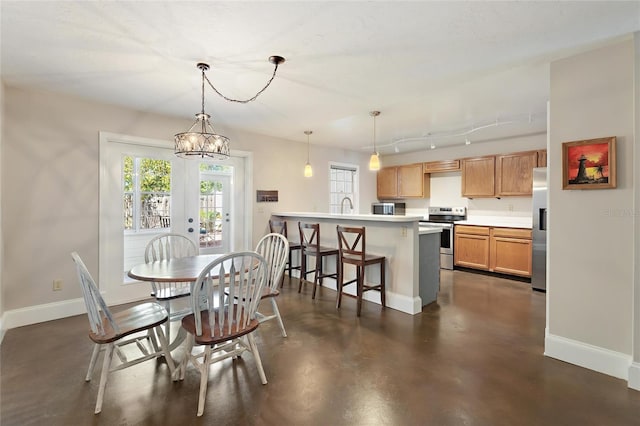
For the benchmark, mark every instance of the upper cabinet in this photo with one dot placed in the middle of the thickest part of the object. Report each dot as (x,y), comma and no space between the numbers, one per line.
(514,173)
(542,158)
(387,182)
(406,181)
(478,176)
(441,166)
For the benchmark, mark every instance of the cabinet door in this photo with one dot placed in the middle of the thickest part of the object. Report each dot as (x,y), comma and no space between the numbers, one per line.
(542,158)
(514,173)
(387,182)
(441,166)
(471,251)
(511,256)
(478,177)
(410,180)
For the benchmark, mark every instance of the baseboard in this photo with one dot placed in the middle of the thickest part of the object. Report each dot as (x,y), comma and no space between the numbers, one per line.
(41,313)
(1,328)
(634,376)
(399,302)
(595,358)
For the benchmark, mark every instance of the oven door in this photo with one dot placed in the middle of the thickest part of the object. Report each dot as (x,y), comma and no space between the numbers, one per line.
(446,237)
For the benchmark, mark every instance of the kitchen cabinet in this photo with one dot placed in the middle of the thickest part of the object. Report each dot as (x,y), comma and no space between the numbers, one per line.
(387,179)
(478,176)
(542,158)
(510,251)
(407,181)
(514,173)
(471,246)
(441,166)
(494,249)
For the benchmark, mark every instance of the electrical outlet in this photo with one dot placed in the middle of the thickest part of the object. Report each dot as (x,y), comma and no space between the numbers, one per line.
(510,207)
(57,285)
(404,231)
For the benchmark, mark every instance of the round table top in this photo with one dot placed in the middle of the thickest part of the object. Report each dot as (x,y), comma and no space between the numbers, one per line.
(184,269)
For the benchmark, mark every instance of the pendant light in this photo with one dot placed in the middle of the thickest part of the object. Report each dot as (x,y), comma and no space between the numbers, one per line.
(201,140)
(374,161)
(308,171)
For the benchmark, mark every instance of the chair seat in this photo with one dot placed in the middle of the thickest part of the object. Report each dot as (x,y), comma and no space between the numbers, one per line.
(320,250)
(218,334)
(357,260)
(269,292)
(295,246)
(169,293)
(130,321)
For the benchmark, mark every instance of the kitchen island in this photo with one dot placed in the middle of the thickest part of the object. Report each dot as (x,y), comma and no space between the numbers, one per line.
(398,238)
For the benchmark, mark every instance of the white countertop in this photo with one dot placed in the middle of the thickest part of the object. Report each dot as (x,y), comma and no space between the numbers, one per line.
(498,221)
(366,217)
(422,230)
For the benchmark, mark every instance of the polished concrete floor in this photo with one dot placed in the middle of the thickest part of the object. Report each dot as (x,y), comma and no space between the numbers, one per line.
(472,358)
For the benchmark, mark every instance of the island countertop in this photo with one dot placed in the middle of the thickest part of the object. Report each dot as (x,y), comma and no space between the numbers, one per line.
(359,217)
(497,221)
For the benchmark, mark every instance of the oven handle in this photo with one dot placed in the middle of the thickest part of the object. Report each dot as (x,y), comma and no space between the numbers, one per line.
(438,224)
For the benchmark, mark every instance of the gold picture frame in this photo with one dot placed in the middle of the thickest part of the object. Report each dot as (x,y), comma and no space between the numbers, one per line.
(589,164)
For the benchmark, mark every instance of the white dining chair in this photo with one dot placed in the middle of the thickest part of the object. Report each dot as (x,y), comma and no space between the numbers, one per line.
(108,331)
(224,329)
(274,247)
(164,247)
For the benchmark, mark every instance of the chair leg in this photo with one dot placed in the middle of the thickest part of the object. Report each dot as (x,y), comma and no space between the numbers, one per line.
(340,267)
(92,362)
(167,325)
(303,268)
(359,283)
(256,356)
(186,356)
(164,344)
(383,290)
(204,379)
(276,311)
(316,275)
(106,365)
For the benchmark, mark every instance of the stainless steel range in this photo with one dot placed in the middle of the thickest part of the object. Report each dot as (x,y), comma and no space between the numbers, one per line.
(443,217)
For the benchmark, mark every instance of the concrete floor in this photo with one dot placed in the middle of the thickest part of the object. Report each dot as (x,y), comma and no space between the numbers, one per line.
(472,358)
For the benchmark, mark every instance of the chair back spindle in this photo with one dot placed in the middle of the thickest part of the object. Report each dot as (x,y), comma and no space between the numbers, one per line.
(274,248)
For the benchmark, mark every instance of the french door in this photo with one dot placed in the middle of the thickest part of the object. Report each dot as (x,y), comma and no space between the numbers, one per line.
(199,203)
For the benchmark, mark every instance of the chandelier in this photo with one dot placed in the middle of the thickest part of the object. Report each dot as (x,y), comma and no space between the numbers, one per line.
(374,161)
(201,140)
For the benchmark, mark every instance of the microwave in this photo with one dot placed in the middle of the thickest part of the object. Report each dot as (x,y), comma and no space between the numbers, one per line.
(388,208)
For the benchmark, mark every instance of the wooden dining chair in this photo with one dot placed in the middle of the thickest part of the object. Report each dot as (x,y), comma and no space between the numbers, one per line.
(310,240)
(108,331)
(164,247)
(274,248)
(352,251)
(224,329)
(280,227)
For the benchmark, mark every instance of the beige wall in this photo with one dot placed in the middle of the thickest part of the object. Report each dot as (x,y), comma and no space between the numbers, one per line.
(591,237)
(1,191)
(53,146)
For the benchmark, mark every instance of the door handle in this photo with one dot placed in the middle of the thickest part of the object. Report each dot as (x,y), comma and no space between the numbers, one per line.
(190,229)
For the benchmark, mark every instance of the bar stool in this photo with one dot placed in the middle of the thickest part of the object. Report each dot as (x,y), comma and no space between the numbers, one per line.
(280,227)
(310,240)
(354,253)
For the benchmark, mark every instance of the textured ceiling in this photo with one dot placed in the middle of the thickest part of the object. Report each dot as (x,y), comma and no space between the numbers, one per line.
(440,72)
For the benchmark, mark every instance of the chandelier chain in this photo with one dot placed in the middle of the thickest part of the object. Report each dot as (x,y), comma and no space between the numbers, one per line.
(242,101)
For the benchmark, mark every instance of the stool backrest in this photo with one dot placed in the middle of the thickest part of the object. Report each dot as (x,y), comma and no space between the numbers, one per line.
(278,227)
(351,241)
(309,234)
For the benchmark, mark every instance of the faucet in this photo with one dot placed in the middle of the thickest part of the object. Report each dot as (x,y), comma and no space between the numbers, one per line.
(342,204)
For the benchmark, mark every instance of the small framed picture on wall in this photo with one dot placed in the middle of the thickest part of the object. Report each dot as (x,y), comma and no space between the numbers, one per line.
(589,164)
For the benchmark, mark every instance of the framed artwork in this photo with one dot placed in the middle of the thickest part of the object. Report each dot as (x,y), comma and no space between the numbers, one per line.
(589,164)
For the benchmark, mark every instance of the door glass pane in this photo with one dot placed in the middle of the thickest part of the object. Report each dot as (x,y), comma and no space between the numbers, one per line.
(211,213)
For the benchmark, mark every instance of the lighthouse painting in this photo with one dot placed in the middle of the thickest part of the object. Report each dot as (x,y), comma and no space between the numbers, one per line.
(589,164)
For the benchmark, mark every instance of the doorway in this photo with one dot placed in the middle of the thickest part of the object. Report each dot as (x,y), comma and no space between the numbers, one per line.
(201,199)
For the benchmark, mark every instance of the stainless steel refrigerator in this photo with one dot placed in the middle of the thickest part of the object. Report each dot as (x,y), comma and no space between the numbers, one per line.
(539,267)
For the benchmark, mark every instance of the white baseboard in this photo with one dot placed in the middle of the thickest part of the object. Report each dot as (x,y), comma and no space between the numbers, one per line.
(634,376)
(399,302)
(41,313)
(595,358)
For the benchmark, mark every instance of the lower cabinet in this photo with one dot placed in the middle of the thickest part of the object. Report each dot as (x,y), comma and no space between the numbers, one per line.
(503,250)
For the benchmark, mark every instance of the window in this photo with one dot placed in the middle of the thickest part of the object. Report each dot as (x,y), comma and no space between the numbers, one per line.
(147,193)
(343,183)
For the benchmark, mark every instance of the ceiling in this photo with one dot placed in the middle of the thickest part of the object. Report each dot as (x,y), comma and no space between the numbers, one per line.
(439,72)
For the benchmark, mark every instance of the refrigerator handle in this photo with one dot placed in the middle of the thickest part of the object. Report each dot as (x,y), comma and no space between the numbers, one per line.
(542,212)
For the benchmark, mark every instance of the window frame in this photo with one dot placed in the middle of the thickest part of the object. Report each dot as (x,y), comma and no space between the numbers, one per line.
(355,169)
